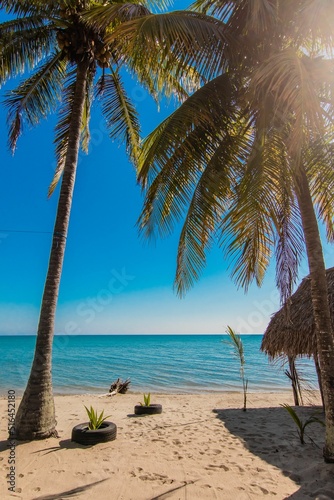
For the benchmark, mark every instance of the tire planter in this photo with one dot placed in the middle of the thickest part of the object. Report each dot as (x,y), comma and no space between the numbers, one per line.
(153,409)
(83,435)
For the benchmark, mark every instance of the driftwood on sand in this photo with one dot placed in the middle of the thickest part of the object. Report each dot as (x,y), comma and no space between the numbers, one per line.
(119,386)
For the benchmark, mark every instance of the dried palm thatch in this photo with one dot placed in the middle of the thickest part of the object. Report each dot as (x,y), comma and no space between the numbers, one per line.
(292,331)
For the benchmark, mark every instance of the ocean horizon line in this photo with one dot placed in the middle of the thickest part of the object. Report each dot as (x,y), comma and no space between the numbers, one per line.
(162,363)
(119,334)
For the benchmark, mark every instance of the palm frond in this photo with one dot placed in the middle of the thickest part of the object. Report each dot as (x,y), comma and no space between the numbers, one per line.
(217,8)
(35,97)
(63,126)
(209,202)
(119,112)
(254,16)
(199,114)
(22,50)
(247,231)
(85,133)
(19,25)
(174,42)
(250,235)
(289,241)
(166,83)
(287,77)
(318,161)
(105,16)
(171,162)
(315,21)
(24,8)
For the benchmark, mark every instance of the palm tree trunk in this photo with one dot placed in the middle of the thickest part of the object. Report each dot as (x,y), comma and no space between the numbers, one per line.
(317,368)
(321,310)
(293,375)
(35,417)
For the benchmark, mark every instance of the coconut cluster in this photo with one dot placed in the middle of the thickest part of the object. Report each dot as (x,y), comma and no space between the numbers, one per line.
(73,44)
(79,39)
(66,10)
(102,55)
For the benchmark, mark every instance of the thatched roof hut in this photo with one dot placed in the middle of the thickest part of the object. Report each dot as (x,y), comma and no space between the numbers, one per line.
(293,334)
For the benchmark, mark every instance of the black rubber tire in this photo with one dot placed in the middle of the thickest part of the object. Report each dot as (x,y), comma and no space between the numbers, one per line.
(153,409)
(82,435)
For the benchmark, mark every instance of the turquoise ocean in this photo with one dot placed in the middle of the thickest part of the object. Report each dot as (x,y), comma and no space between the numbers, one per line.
(154,363)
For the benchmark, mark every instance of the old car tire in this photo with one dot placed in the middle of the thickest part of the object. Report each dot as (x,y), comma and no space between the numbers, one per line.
(83,435)
(153,409)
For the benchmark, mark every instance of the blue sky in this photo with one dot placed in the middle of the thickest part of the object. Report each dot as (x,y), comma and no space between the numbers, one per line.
(113,281)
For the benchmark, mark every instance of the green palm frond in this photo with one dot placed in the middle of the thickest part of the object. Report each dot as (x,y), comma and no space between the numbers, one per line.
(171,162)
(255,17)
(289,240)
(318,161)
(63,126)
(85,134)
(250,235)
(287,77)
(120,114)
(247,232)
(220,9)
(299,22)
(19,25)
(24,8)
(166,83)
(199,115)
(35,97)
(209,202)
(108,15)
(22,50)
(174,42)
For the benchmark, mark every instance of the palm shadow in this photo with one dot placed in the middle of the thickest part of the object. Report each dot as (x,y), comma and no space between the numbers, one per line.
(70,493)
(63,444)
(271,434)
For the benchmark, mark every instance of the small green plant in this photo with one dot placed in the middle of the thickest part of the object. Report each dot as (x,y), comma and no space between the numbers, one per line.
(301,426)
(147,400)
(95,420)
(236,342)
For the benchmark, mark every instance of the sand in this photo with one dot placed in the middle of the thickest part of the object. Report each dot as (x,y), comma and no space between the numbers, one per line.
(200,447)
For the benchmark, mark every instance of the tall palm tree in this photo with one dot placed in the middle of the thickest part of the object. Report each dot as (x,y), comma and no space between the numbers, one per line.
(70,63)
(247,159)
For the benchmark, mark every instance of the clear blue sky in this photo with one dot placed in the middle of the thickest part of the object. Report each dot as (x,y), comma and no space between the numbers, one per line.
(113,281)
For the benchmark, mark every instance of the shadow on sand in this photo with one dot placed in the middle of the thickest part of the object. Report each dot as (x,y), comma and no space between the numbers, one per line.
(70,493)
(271,434)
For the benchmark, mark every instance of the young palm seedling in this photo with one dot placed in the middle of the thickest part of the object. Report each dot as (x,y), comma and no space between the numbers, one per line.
(236,342)
(301,426)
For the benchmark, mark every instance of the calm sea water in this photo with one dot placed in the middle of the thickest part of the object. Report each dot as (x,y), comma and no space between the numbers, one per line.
(156,363)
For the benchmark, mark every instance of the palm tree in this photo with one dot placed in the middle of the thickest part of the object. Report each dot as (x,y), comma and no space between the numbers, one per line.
(70,63)
(246,161)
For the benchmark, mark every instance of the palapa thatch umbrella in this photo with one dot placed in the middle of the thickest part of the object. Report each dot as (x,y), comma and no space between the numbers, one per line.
(291,330)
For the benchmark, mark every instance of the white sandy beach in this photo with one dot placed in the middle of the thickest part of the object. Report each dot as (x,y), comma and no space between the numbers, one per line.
(200,447)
